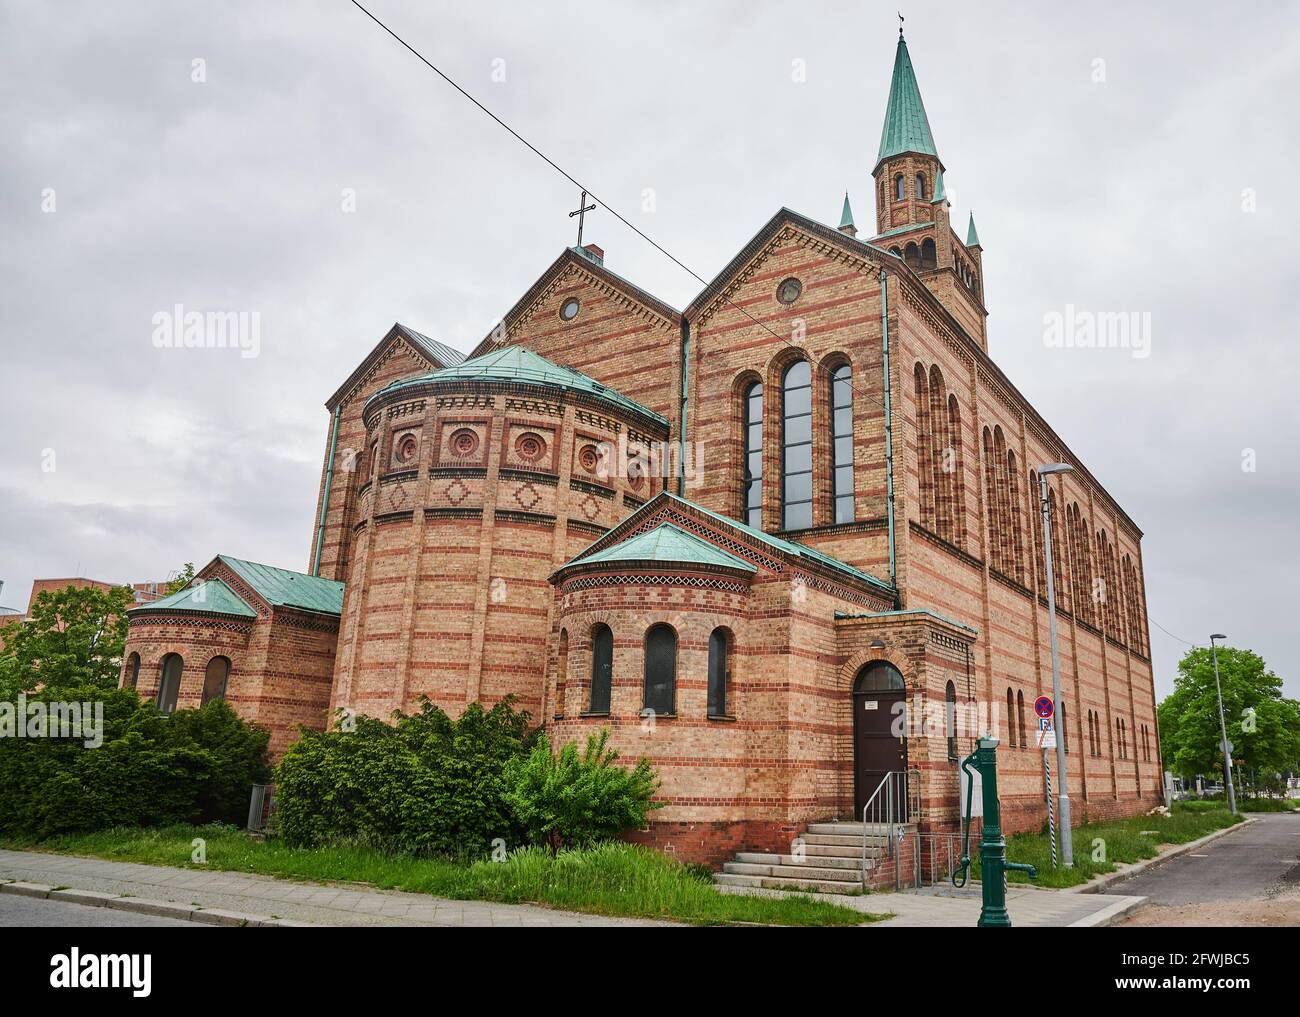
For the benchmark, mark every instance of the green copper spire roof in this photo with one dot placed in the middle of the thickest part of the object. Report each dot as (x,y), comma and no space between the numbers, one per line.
(846,217)
(210,597)
(906,127)
(939,193)
(670,544)
(972,238)
(515,363)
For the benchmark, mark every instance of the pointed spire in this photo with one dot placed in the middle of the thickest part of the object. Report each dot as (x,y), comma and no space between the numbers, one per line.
(972,238)
(939,193)
(846,218)
(907,128)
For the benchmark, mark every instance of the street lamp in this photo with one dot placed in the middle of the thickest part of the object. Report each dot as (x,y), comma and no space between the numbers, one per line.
(1223,727)
(1062,793)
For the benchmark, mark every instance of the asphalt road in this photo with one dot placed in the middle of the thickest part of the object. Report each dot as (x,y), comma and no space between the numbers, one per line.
(32,912)
(1258,862)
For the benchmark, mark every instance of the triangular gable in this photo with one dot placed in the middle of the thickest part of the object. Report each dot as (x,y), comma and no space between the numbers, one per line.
(766,551)
(570,263)
(428,351)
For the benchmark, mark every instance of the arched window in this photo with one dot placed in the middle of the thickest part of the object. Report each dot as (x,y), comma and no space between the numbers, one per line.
(924,447)
(132,673)
(719,671)
(912,255)
(950,719)
(879,676)
(796,447)
(660,670)
(929,257)
(991,514)
(1020,715)
(602,668)
(1011,719)
(1016,519)
(958,475)
(169,683)
(842,441)
(941,457)
(1065,731)
(920,187)
(753,494)
(215,678)
(900,191)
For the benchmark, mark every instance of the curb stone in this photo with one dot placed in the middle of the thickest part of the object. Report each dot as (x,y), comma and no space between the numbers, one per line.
(1100,884)
(148,906)
(1108,915)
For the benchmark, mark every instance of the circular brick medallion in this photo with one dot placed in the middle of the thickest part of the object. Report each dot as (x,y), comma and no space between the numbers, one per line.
(464,442)
(530,447)
(407,446)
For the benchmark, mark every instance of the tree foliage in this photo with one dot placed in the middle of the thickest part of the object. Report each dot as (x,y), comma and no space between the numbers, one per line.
(572,799)
(195,766)
(425,785)
(74,637)
(1263,726)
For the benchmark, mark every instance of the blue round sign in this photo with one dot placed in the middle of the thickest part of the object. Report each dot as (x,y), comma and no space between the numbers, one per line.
(1043,707)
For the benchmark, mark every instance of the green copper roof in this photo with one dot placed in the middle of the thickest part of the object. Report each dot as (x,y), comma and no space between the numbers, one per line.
(788,546)
(906,127)
(212,596)
(939,193)
(846,217)
(282,588)
(669,544)
(972,238)
(515,363)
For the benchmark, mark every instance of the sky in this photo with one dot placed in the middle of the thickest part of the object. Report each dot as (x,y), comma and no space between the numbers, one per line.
(291,160)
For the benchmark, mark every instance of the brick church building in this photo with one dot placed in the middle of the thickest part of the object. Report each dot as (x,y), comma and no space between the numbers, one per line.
(748,537)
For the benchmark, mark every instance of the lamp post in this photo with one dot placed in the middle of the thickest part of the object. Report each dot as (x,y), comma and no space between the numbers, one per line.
(1062,792)
(1223,727)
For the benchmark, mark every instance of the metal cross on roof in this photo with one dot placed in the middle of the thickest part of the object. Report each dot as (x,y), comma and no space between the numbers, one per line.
(581,213)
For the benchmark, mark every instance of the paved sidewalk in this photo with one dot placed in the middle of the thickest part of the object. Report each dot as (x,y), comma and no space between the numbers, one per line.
(946,907)
(238,893)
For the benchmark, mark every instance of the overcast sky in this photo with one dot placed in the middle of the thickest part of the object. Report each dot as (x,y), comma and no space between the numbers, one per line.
(1117,158)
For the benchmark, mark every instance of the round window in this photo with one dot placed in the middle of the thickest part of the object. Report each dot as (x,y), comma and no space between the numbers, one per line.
(788,292)
(406,449)
(569,309)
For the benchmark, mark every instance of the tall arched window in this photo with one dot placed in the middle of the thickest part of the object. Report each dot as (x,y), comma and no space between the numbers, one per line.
(1016,519)
(1065,731)
(753,493)
(941,456)
(991,514)
(958,473)
(1011,718)
(900,190)
(660,670)
(169,684)
(920,187)
(1020,715)
(842,441)
(132,673)
(929,254)
(796,447)
(924,447)
(719,671)
(950,719)
(214,679)
(561,673)
(602,668)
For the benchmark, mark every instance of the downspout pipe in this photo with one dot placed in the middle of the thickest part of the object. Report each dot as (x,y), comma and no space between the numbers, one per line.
(889,431)
(325,498)
(681,416)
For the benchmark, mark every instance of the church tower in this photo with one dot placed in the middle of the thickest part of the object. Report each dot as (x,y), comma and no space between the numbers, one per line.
(912,210)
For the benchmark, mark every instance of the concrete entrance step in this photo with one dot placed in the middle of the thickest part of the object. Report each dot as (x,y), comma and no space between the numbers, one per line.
(853,864)
(770,883)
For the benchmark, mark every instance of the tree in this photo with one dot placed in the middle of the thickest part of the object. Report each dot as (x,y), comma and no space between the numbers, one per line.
(1263,725)
(73,637)
(182,579)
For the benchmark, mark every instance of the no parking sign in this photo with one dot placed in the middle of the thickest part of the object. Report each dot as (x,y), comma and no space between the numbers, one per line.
(1043,707)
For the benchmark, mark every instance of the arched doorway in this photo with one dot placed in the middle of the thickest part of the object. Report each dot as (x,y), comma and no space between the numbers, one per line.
(879,729)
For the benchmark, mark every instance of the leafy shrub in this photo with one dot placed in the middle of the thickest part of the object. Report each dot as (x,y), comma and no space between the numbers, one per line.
(572,799)
(194,766)
(426,784)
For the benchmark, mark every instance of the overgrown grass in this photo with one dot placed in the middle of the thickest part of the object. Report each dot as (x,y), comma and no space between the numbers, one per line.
(1098,846)
(1268,805)
(610,879)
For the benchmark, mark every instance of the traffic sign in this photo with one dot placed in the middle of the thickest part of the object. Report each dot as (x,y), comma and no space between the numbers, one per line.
(1047,739)
(1043,706)
(1044,723)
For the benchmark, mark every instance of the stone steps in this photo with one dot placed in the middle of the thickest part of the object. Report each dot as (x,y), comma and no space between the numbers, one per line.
(784,883)
(831,861)
(853,864)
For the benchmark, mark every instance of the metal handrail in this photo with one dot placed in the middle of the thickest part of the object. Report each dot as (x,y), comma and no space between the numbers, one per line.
(894,807)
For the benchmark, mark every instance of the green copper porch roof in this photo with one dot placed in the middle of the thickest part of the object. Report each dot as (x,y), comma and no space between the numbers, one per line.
(211,596)
(515,363)
(282,588)
(790,547)
(907,129)
(668,544)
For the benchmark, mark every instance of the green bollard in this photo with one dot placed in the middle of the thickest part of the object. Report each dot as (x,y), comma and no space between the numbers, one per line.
(993,847)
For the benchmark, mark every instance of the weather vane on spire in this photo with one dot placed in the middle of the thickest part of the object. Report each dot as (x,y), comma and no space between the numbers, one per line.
(900,24)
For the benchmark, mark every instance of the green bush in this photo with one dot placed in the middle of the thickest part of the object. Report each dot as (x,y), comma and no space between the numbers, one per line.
(195,766)
(425,785)
(577,800)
